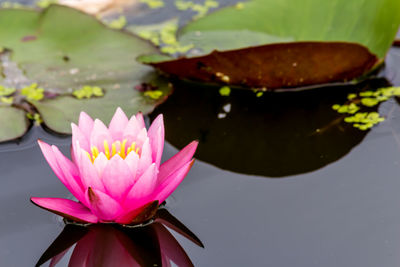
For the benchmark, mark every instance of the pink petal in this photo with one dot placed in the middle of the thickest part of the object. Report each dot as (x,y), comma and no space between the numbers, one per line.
(132,161)
(79,136)
(145,158)
(67,208)
(63,168)
(142,190)
(71,175)
(141,137)
(117,125)
(140,119)
(85,124)
(131,130)
(177,161)
(169,184)
(100,134)
(88,172)
(102,205)
(100,163)
(117,178)
(156,135)
(128,216)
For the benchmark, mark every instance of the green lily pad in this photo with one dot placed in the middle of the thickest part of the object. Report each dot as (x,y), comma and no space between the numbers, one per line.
(63,50)
(372,23)
(286,44)
(58,113)
(13,121)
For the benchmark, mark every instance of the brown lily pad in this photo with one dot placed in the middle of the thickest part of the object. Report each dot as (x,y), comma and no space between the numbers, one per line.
(273,66)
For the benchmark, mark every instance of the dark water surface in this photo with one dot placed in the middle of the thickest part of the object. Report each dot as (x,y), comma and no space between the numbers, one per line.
(336,202)
(340,212)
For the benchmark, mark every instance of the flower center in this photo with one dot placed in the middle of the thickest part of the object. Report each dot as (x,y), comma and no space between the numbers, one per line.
(117,147)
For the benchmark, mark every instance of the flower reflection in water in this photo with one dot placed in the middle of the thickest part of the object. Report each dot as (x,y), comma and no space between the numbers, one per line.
(101,245)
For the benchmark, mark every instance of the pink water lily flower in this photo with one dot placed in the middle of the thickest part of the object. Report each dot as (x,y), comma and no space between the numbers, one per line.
(115,172)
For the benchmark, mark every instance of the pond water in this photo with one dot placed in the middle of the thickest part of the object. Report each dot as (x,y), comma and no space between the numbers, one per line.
(279,180)
(336,202)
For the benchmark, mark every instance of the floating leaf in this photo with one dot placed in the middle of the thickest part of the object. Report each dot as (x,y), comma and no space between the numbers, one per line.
(7,100)
(58,113)
(32,92)
(200,9)
(4,91)
(225,91)
(276,66)
(369,99)
(153,3)
(118,23)
(84,59)
(162,35)
(13,123)
(313,20)
(261,22)
(88,91)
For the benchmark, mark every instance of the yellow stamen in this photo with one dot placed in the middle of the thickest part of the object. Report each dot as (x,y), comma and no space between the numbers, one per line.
(106,149)
(114,149)
(87,154)
(123,155)
(95,152)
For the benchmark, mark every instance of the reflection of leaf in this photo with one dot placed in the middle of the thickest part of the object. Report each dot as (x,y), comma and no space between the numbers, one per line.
(68,50)
(277,65)
(275,135)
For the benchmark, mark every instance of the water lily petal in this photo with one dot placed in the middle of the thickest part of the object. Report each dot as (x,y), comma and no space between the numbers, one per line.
(156,135)
(145,158)
(85,124)
(177,161)
(79,136)
(139,214)
(71,175)
(88,172)
(117,178)
(141,137)
(100,134)
(131,130)
(102,205)
(117,125)
(63,168)
(142,190)
(100,163)
(132,161)
(67,208)
(169,184)
(140,119)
